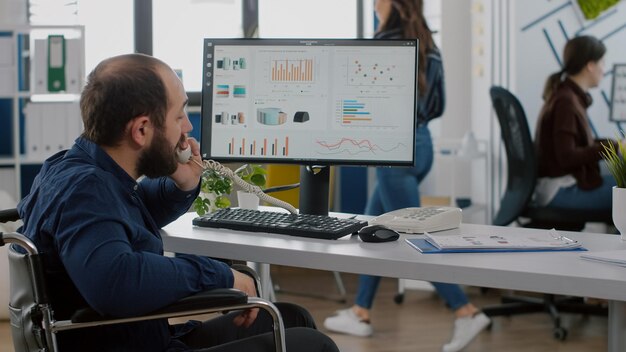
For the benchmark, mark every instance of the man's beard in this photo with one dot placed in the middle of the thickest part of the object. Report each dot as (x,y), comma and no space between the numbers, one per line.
(159,159)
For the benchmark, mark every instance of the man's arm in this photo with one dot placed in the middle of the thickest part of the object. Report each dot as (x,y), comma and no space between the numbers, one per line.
(114,257)
(164,200)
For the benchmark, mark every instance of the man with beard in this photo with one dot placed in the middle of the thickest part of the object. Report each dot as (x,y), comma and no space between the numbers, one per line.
(96,220)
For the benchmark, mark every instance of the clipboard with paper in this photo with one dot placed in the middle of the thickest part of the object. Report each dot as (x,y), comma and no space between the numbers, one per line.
(550,240)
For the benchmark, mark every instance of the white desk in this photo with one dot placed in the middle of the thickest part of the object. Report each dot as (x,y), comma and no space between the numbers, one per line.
(550,272)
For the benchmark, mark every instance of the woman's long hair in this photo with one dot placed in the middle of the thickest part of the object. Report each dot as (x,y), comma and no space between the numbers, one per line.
(409,16)
(577,54)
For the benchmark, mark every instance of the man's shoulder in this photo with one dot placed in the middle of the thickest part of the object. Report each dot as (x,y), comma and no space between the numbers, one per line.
(74,170)
(65,179)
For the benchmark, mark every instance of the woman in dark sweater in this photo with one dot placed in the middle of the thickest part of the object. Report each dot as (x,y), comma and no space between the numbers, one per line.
(567,149)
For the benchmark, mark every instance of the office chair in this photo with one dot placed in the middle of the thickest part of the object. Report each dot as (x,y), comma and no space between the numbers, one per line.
(34,327)
(517,203)
(522,175)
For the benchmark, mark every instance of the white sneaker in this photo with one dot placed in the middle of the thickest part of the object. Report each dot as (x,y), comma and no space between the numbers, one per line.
(346,322)
(465,329)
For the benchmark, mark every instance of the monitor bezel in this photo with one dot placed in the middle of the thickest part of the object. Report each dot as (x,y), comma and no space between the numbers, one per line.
(206,123)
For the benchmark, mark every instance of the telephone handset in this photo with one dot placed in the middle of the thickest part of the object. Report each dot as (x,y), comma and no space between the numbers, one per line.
(420,220)
(184,156)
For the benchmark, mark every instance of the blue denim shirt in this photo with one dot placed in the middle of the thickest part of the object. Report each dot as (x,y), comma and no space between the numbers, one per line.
(98,230)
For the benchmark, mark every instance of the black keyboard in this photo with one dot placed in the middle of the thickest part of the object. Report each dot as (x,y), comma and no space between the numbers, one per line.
(302,225)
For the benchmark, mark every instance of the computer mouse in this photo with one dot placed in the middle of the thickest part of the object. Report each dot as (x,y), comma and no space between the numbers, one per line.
(378,233)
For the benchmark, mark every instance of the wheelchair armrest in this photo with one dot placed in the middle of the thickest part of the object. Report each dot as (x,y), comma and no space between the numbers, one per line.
(9,215)
(220,297)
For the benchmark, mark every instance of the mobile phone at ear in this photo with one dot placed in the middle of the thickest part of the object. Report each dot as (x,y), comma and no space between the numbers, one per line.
(183,155)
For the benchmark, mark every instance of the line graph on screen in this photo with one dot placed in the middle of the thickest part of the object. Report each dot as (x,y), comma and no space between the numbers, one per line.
(350,146)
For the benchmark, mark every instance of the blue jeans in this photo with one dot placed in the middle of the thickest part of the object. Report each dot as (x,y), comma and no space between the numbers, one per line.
(596,199)
(397,188)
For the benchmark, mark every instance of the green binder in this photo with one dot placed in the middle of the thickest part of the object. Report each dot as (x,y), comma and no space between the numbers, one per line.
(56,63)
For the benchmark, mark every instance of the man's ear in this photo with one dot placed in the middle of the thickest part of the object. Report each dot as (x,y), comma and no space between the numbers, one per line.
(141,130)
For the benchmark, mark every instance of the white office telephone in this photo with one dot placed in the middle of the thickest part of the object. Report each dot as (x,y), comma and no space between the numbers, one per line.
(420,220)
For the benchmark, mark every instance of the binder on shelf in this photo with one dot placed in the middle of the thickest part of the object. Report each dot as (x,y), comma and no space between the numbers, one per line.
(33,133)
(40,67)
(7,180)
(56,63)
(73,66)
(7,80)
(7,57)
(73,123)
(48,129)
(65,70)
(6,132)
(53,128)
(7,66)
(60,130)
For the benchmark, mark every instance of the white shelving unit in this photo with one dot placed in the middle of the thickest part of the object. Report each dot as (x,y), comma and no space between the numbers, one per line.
(20,68)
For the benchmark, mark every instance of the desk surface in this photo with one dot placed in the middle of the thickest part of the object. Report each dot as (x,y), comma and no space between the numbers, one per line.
(549,272)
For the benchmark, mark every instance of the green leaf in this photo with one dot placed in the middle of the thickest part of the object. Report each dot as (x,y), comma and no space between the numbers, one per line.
(253,174)
(258,180)
(615,158)
(222,202)
(200,206)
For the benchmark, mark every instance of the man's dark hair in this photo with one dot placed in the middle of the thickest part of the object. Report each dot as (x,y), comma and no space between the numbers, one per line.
(118,90)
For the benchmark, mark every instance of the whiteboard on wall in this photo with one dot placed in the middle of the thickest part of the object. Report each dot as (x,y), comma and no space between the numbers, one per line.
(618,93)
(540,29)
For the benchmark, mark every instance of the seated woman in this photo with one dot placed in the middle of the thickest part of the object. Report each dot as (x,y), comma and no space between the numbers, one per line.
(567,150)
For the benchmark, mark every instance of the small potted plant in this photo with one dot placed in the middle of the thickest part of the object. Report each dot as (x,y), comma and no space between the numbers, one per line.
(214,192)
(216,188)
(615,158)
(254,175)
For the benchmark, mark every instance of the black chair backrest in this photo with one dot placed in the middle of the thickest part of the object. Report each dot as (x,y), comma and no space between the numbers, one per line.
(520,153)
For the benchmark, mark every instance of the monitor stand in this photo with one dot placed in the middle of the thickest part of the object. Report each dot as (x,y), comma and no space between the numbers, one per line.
(314,186)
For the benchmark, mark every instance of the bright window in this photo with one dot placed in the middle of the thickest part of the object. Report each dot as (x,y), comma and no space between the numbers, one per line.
(180,26)
(307,19)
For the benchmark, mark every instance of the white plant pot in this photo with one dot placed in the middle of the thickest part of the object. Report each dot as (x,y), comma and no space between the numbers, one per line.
(247,200)
(619,210)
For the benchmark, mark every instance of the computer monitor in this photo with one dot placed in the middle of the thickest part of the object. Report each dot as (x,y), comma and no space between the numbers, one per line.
(618,94)
(310,102)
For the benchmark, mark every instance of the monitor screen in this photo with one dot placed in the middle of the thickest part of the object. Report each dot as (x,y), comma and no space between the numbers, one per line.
(309,101)
(618,93)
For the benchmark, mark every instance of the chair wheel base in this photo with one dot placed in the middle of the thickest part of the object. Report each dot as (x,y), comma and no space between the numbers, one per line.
(560,333)
(398,298)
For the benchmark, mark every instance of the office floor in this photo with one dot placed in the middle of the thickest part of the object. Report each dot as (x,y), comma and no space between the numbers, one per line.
(422,323)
